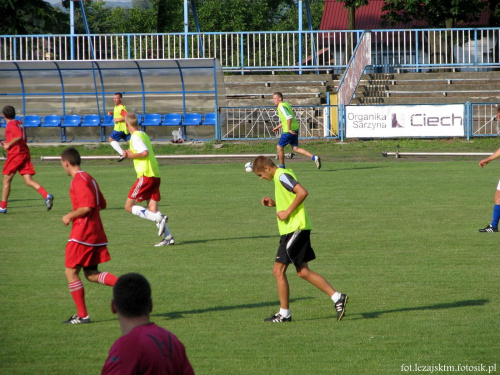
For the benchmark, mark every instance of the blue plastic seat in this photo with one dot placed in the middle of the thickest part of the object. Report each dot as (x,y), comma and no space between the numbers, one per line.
(210,119)
(72,120)
(192,119)
(32,121)
(172,119)
(108,121)
(52,121)
(91,120)
(152,119)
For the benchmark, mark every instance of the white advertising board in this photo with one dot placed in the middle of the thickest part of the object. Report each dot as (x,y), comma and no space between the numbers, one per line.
(405,121)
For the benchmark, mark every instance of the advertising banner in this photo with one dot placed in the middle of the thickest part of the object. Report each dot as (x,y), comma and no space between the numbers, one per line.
(405,121)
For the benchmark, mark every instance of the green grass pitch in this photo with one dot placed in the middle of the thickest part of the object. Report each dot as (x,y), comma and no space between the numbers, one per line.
(399,237)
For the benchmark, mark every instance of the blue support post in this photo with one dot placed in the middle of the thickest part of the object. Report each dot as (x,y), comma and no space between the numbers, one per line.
(300,36)
(186,30)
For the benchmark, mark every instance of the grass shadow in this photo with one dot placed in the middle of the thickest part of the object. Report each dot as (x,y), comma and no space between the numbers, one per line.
(439,306)
(225,239)
(181,314)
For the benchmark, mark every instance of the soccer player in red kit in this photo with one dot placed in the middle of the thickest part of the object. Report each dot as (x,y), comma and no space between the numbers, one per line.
(144,348)
(18,160)
(86,247)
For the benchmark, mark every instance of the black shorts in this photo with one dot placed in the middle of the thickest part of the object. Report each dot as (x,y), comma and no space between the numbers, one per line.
(295,248)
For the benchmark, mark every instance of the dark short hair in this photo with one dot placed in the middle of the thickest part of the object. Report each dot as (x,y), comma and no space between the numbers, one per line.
(119,93)
(260,162)
(72,156)
(9,112)
(132,295)
(279,94)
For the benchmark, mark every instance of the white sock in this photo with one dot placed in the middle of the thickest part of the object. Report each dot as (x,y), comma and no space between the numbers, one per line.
(117,147)
(146,214)
(285,313)
(335,297)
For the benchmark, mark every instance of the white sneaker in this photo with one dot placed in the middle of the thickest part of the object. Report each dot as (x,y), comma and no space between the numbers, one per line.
(166,242)
(317,160)
(162,223)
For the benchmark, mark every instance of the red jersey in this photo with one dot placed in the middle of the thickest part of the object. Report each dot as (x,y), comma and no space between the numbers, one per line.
(148,350)
(15,129)
(84,192)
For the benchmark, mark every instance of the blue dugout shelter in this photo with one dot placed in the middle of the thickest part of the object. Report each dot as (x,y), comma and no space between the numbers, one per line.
(62,88)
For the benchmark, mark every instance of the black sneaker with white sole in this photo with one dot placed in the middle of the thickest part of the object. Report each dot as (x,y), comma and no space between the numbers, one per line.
(340,306)
(488,229)
(75,319)
(277,318)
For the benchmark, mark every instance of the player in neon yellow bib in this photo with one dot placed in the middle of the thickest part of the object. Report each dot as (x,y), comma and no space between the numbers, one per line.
(147,186)
(119,131)
(295,244)
(290,132)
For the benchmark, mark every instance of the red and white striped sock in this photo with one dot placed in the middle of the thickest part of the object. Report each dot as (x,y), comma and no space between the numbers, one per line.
(78,294)
(107,278)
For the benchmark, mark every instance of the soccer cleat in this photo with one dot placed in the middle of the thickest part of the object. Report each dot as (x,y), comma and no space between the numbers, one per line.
(340,306)
(489,228)
(317,160)
(277,318)
(3,210)
(49,201)
(166,242)
(162,224)
(75,319)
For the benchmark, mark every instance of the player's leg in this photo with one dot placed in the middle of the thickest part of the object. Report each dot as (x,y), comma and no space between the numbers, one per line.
(92,274)
(302,151)
(49,198)
(322,284)
(78,294)
(162,226)
(493,226)
(114,138)
(279,271)
(7,179)
(281,155)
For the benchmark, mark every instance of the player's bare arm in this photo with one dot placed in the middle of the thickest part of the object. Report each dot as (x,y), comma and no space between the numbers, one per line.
(268,202)
(79,212)
(300,196)
(492,157)
(276,128)
(13,141)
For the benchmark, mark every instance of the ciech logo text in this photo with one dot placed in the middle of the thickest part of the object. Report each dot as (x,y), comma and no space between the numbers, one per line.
(421,119)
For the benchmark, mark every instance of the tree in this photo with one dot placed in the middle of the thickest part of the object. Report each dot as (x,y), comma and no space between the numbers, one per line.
(23,17)
(446,13)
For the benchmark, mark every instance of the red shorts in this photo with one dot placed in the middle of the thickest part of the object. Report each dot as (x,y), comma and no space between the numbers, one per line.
(146,188)
(18,163)
(78,254)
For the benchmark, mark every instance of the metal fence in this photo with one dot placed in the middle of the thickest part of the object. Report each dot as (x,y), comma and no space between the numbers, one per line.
(269,51)
(250,123)
(484,121)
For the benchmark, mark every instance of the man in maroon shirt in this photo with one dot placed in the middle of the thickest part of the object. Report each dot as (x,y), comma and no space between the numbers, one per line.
(86,247)
(18,160)
(144,348)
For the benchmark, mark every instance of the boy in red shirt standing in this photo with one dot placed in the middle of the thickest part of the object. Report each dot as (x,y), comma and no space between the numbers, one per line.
(18,159)
(86,247)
